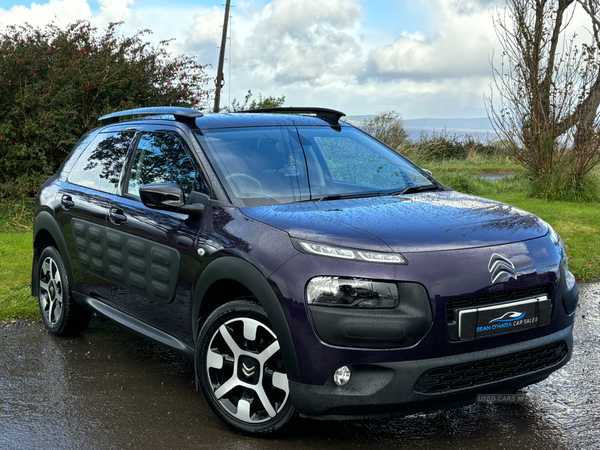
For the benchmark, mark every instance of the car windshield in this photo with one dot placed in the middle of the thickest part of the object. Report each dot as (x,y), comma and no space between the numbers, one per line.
(271,165)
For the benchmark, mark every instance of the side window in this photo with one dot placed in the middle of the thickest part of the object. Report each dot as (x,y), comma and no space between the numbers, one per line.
(99,166)
(80,145)
(165,158)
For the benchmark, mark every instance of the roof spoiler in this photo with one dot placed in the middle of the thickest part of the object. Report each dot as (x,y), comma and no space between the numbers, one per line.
(331,116)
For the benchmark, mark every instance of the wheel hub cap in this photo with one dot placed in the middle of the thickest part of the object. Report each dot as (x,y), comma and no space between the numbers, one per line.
(248,369)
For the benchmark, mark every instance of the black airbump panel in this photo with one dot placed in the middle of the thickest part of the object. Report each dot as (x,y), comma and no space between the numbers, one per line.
(89,241)
(138,264)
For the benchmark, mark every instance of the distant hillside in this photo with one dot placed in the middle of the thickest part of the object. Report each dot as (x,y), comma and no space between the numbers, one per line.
(476,124)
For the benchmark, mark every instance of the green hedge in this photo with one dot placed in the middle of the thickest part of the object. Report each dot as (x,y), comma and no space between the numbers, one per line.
(55,83)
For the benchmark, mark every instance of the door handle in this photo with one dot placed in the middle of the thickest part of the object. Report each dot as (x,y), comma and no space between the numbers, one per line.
(67,202)
(117,216)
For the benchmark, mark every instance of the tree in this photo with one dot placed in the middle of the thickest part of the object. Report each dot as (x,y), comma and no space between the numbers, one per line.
(55,83)
(262,102)
(388,127)
(549,89)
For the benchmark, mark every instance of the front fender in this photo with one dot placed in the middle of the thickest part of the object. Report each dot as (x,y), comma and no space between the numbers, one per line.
(236,269)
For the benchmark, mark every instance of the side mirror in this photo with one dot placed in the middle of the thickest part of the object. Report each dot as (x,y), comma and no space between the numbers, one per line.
(168,197)
(427,171)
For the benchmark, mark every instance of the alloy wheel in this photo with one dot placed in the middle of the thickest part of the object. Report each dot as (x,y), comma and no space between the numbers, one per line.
(51,291)
(245,369)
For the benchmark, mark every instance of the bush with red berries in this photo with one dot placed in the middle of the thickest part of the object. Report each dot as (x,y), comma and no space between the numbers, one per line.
(55,83)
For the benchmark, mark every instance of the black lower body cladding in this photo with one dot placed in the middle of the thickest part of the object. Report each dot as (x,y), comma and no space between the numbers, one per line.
(391,389)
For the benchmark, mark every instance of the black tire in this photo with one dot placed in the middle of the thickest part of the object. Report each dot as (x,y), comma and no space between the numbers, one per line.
(241,372)
(62,316)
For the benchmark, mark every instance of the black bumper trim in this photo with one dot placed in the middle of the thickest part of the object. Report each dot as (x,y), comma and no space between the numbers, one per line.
(477,373)
(386,389)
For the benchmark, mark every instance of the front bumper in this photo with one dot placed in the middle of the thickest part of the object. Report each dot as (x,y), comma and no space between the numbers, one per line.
(397,388)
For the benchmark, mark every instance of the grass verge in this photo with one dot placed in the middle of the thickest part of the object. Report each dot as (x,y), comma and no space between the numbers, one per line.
(578,223)
(473,166)
(17,216)
(16,253)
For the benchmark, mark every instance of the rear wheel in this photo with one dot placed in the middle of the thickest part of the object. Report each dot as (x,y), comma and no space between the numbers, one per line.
(62,316)
(240,369)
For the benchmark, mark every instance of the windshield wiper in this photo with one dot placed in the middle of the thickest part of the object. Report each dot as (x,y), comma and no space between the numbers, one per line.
(415,189)
(341,196)
(357,195)
(407,190)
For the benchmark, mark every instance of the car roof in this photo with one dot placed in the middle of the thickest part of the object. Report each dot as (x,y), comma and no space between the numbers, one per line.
(281,116)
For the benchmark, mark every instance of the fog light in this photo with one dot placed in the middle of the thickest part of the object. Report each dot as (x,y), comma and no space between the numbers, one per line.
(342,375)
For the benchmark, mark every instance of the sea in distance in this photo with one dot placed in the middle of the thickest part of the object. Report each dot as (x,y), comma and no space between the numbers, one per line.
(478,128)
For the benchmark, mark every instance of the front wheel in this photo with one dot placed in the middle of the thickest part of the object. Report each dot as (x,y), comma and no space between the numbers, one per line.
(62,316)
(240,369)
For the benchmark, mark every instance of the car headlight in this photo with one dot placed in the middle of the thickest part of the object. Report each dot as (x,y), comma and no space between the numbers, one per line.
(334,251)
(352,293)
(556,240)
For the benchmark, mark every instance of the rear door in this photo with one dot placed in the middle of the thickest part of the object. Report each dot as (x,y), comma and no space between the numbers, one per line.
(153,254)
(85,200)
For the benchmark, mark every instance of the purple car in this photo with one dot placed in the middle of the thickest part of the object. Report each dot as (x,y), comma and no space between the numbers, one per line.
(303,265)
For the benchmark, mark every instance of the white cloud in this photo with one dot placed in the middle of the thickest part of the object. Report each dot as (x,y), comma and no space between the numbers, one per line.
(115,11)
(300,40)
(62,12)
(461,47)
(318,52)
(206,27)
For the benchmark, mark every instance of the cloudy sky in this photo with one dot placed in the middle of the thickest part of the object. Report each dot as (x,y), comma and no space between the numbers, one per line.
(422,58)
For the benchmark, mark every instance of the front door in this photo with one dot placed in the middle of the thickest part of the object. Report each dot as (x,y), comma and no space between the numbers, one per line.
(153,253)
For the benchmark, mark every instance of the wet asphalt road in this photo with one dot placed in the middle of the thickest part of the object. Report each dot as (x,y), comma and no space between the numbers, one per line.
(109,389)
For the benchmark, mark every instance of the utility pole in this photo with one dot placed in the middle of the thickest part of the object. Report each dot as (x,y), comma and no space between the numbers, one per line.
(219,83)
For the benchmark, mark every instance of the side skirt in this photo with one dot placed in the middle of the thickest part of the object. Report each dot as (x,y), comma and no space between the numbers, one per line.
(137,326)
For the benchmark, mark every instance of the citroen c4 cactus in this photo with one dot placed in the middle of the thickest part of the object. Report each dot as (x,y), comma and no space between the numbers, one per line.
(304,266)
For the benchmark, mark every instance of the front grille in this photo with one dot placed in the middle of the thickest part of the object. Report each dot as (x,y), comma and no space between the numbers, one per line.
(474,301)
(463,376)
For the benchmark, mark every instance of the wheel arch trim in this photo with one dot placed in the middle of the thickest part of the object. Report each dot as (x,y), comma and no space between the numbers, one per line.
(44,221)
(236,269)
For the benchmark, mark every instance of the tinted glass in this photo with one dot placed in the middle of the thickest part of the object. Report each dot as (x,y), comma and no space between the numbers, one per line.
(260,165)
(100,165)
(287,164)
(81,144)
(164,158)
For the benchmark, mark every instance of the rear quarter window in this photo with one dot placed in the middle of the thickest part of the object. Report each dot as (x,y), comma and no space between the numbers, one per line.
(99,166)
(74,154)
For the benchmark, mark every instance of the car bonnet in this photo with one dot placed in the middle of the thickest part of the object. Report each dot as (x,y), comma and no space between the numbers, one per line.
(432,221)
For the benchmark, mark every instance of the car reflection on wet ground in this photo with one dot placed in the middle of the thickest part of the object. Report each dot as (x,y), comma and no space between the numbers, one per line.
(109,389)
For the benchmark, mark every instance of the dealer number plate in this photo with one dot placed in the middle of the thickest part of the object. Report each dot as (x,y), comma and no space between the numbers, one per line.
(505,318)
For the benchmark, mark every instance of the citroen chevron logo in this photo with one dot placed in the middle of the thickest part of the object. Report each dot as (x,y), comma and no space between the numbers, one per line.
(499,265)
(248,371)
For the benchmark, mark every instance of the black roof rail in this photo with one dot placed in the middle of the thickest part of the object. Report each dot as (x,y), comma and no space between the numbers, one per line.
(331,116)
(185,115)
